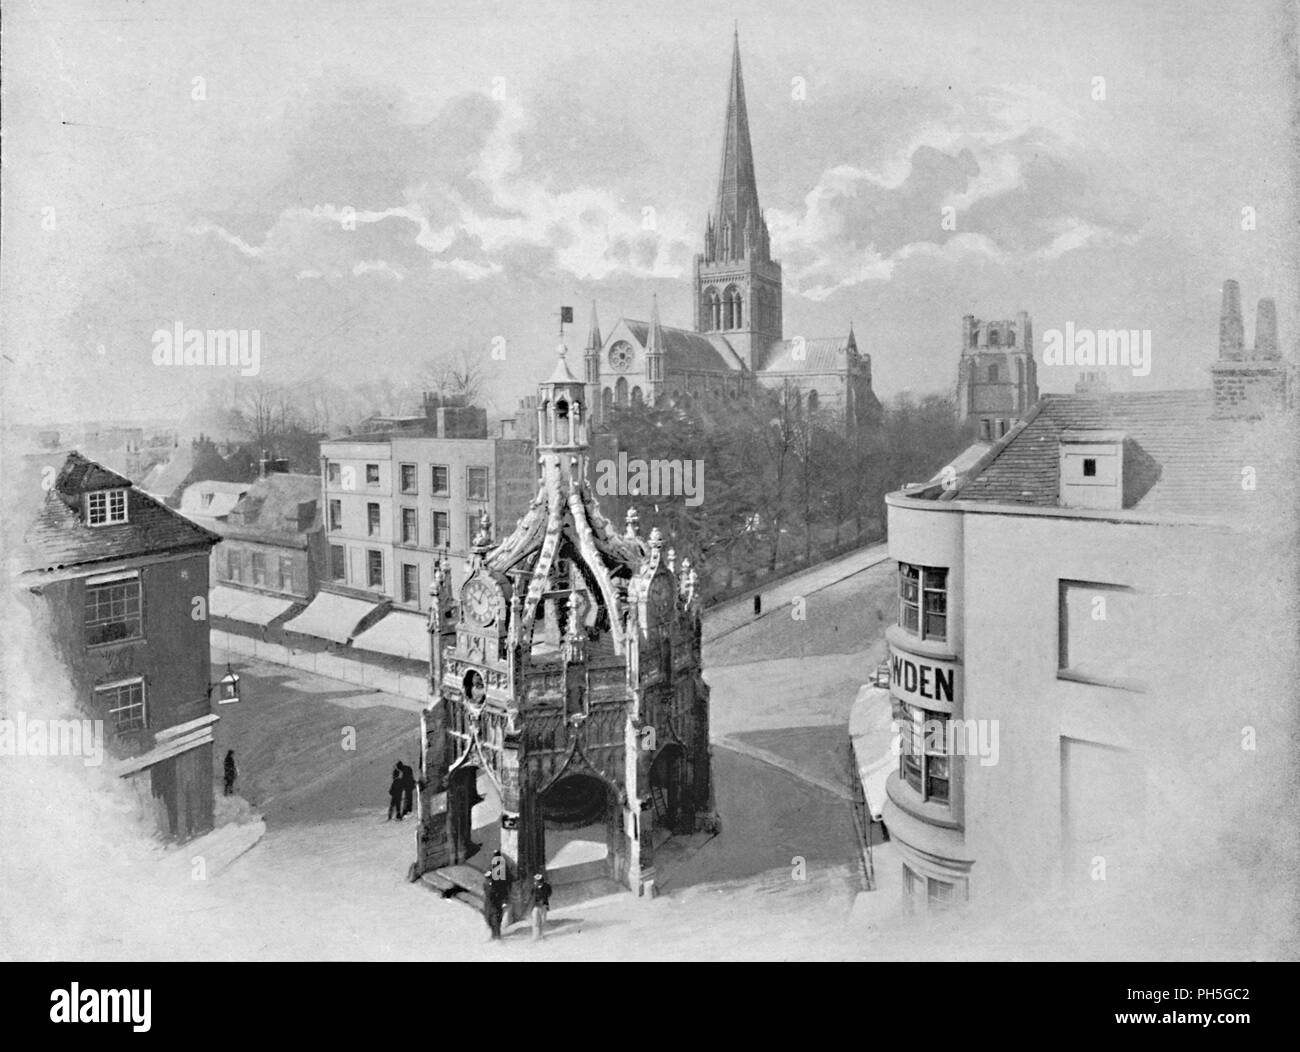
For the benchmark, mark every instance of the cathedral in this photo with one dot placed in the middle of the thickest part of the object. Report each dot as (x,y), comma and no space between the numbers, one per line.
(738,337)
(565,679)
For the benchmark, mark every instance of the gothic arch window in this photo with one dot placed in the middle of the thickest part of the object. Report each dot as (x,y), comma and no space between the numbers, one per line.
(730,306)
(995,339)
(620,391)
(1011,337)
(636,395)
(606,402)
(738,314)
(993,373)
(812,400)
(712,310)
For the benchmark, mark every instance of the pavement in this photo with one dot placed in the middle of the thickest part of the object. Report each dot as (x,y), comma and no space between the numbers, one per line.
(734,614)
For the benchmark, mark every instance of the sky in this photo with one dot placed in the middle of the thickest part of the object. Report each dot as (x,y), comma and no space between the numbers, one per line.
(366,185)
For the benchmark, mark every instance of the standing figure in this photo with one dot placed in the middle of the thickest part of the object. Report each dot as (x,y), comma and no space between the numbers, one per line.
(230,772)
(541,903)
(395,794)
(408,787)
(496,887)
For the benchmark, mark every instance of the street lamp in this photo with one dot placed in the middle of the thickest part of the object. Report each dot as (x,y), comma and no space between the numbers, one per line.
(227,687)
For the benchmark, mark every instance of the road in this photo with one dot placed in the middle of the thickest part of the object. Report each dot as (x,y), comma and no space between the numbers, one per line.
(327,881)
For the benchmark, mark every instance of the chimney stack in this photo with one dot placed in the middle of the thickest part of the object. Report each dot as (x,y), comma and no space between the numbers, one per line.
(1231,332)
(1248,388)
(1266,329)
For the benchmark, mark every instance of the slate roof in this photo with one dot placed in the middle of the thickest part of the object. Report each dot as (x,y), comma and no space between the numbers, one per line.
(57,536)
(165,477)
(686,350)
(1198,459)
(822,355)
(270,507)
(225,495)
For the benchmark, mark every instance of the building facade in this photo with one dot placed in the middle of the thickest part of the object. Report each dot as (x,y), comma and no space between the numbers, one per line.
(737,341)
(395,504)
(568,672)
(125,583)
(1072,609)
(271,555)
(997,378)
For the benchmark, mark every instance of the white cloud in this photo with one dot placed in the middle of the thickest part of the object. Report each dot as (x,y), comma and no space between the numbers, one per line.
(377,266)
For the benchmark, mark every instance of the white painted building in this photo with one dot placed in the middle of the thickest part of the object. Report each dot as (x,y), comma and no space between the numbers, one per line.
(1098,617)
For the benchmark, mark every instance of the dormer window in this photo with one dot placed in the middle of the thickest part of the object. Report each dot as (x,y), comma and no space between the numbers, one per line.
(105,507)
(1092,469)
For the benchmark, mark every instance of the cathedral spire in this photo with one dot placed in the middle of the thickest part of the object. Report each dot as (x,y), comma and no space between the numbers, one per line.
(737,187)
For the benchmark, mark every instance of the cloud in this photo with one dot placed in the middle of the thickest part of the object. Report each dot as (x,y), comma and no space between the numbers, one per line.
(1008,176)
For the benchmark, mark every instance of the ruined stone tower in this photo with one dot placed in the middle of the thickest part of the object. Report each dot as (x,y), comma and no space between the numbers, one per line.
(997,378)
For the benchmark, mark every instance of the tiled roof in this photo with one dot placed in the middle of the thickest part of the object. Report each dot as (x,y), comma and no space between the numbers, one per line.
(164,478)
(1197,460)
(58,537)
(271,505)
(822,355)
(224,496)
(686,350)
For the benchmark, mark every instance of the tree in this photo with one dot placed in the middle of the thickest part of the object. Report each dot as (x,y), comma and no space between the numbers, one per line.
(456,374)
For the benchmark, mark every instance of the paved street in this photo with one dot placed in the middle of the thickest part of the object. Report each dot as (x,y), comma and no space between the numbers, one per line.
(786,859)
(300,739)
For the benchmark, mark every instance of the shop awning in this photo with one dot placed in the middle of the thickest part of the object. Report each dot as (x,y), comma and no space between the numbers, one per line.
(400,634)
(249,607)
(332,616)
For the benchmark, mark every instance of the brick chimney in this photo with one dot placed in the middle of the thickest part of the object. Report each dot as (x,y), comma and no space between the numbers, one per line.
(1248,385)
(1232,334)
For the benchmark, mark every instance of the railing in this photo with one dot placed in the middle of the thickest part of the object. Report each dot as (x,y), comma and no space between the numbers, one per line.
(861,820)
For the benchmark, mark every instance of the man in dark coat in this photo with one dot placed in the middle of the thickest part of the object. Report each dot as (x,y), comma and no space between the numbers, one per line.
(496,888)
(395,794)
(408,787)
(230,773)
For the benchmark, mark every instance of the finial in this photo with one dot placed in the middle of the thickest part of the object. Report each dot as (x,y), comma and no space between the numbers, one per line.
(672,559)
(656,539)
(633,523)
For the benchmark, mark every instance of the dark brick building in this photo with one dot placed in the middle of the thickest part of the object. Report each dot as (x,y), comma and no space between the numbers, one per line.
(125,582)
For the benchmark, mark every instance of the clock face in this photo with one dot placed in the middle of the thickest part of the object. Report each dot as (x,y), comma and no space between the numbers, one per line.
(480,600)
(661,599)
(620,356)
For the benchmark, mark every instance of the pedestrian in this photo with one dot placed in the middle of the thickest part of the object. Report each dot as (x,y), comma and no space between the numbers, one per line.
(230,772)
(395,794)
(541,903)
(496,888)
(408,787)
